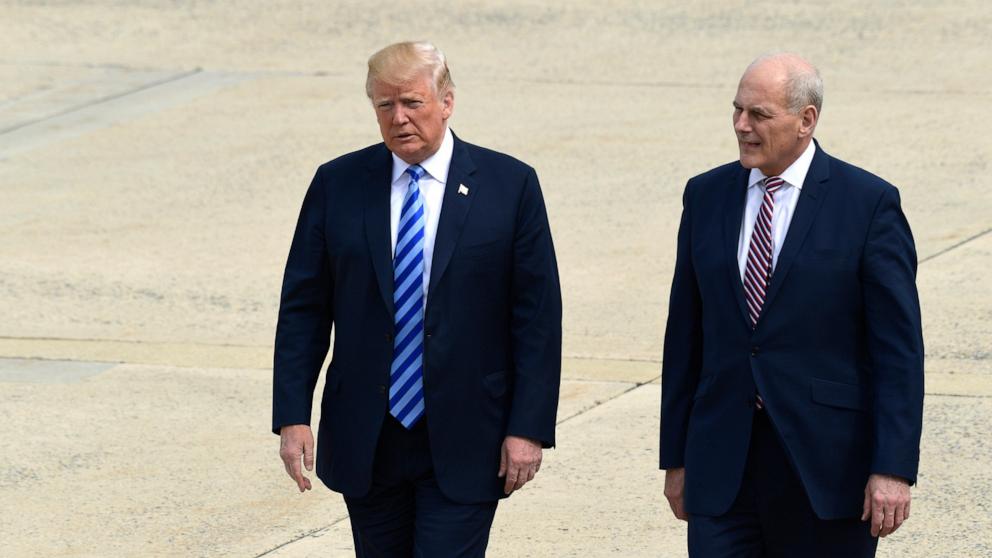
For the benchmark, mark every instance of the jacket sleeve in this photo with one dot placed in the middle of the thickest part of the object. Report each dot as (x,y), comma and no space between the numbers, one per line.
(894,340)
(683,347)
(536,321)
(305,314)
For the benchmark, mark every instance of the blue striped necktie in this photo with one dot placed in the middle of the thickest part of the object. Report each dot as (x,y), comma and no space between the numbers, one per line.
(406,377)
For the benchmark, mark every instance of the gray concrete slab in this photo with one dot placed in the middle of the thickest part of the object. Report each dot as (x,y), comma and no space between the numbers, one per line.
(149,461)
(160,460)
(24,370)
(78,108)
(147,225)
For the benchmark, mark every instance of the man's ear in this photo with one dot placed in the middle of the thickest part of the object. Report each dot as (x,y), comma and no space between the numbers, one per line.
(807,120)
(447,104)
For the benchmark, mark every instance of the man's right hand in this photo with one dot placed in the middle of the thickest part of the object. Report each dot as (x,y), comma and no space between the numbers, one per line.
(674,490)
(296,441)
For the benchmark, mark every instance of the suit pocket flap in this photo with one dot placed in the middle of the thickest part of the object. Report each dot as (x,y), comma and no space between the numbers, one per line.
(495,383)
(838,394)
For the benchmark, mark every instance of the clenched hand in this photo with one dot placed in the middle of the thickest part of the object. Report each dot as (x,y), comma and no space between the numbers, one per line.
(296,441)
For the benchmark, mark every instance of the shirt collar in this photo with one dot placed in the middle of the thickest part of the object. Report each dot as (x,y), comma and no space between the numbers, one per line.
(436,165)
(794,175)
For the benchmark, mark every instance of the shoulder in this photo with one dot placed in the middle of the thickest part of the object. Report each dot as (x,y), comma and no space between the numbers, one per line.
(851,174)
(718,175)
(859,183)
(353,162)
(342,178)
(489,160)
(716,181)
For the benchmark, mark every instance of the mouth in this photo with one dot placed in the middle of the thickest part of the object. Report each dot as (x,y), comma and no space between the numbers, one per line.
(405,136)
(748,144)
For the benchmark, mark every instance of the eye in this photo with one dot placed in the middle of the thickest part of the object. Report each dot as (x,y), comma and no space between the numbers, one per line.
(384,105)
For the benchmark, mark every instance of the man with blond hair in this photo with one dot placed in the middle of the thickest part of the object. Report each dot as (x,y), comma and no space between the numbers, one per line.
(792,383)
(432,261)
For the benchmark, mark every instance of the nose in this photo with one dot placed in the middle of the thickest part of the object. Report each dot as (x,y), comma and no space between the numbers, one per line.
(399,115)
(741,123)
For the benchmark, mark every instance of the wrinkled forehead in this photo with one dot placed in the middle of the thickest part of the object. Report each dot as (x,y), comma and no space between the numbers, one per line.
(413,85)
(762,85)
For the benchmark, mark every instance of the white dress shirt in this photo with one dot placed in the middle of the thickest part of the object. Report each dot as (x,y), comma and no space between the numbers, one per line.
(432,191)
(786,199)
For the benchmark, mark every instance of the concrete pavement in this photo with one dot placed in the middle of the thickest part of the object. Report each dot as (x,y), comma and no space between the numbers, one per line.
(153,157)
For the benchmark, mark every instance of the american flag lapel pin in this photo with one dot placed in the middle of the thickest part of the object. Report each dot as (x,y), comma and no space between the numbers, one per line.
(463,189)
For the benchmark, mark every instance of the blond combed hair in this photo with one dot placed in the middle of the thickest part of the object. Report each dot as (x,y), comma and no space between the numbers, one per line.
(404,62)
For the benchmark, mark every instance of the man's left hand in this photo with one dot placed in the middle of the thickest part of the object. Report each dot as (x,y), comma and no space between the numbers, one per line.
(520,460)
(886,504)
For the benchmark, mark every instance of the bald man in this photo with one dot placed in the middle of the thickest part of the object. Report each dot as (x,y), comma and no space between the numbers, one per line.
(792,384)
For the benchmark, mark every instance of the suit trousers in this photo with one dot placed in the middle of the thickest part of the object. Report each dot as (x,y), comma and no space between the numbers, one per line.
(772,517)
(405,514)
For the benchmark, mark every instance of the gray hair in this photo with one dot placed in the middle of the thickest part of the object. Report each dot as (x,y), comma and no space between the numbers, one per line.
(803,87)
(402,62)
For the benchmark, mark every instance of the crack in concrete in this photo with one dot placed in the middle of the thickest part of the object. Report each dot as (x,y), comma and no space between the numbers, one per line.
(955,246)
(301,537)
(57,64)
(130,341)
(613,358)
(597,404)
(960,395)
(101,100)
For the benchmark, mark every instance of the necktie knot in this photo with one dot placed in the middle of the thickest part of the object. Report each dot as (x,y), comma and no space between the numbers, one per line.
(416,172)
(773,184)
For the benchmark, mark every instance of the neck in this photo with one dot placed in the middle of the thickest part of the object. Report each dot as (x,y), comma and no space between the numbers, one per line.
(769,171)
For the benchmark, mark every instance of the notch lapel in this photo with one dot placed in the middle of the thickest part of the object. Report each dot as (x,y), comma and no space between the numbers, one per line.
(377,190)
(454,210)
(732,236)
(810,201)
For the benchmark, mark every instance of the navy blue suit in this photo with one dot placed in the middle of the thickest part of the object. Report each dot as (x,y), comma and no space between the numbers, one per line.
(492,325)
(837,354)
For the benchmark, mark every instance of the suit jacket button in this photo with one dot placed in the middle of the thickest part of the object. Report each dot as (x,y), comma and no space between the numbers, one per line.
(754,350)
(382,389)
(389,337)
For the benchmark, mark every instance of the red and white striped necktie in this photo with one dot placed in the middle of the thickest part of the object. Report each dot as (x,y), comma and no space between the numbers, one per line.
(760,254)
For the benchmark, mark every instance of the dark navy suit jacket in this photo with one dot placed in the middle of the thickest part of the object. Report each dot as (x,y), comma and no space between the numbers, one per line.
(492,326)
(837,353)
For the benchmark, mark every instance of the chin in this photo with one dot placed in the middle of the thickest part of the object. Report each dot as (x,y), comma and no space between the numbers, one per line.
(748,162)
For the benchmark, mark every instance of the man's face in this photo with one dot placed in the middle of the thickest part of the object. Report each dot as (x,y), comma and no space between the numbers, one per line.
(411,117)
(769,136)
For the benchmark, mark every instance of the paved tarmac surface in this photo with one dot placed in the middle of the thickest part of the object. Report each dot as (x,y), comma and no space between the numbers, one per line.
(153,156)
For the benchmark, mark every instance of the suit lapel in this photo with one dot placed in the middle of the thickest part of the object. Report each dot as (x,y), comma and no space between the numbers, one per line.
(810,201)
(454,210)
(377,190)
(732,235)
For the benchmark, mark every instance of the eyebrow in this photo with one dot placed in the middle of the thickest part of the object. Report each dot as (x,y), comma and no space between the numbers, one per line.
(756,108)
